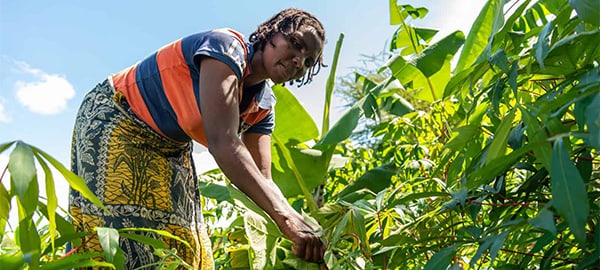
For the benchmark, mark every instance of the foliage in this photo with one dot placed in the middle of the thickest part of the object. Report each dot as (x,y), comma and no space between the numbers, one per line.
(489,162)
(483,152)
(41,237)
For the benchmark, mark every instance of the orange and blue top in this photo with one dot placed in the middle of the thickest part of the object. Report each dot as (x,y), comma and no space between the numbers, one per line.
(164,87)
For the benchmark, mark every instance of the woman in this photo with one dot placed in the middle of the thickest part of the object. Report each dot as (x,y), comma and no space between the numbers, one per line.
(132,136)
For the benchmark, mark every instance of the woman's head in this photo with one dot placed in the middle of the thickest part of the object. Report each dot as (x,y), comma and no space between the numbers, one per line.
(292,23)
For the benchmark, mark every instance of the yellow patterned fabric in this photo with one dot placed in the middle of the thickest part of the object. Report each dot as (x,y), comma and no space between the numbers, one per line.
(144,180)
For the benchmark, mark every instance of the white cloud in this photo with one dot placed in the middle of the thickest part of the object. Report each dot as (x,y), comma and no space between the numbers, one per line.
(4,117)
(47,94)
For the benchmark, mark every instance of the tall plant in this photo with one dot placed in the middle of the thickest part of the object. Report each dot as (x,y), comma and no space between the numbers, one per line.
(39,241)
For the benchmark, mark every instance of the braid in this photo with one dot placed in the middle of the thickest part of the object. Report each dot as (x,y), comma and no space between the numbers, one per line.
(290,20)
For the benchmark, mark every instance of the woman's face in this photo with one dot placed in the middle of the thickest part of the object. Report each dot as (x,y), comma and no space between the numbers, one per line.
(287,56)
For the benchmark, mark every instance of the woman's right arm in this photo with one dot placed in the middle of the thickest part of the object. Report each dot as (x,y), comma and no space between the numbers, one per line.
(220,114)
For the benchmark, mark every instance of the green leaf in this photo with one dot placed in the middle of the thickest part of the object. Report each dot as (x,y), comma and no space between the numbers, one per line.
(431,60)
(76,182)
(109,240)
(571,54)
(343,128)
(330,84)
(568,191)
(542,46)
(299,169)
(29,240)
(592,120)
(544,220)
(498,146)
(293,123)
(587,10)
(215,191)
(500,60)
(21,168)
(256,230)
(374,180)
(151,241)
(5,146)
(441,259)
(584,165)
(158,232)
(537,137)
(13,261)
(76,261)
(4,208)
(358,223)
(478,38)
(52,201)
(462,136)
(497,245)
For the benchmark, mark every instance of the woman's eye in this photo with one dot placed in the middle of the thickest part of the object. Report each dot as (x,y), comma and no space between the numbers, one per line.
(309,62)
(295,43)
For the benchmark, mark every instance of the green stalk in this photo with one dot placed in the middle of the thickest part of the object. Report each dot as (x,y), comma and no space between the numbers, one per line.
(330,84)
(299,179)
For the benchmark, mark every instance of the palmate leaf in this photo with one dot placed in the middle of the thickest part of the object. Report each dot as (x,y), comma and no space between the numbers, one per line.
(568,191)
(75,182)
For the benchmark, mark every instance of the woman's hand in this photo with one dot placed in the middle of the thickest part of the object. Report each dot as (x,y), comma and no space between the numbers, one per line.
(307,245)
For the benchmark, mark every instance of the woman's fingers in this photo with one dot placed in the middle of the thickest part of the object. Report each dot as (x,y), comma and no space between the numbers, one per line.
(309,247)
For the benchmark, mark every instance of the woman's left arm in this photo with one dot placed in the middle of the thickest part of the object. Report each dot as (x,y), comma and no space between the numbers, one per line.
(259,146)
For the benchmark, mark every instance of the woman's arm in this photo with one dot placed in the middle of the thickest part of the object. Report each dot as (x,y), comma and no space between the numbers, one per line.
(219,106)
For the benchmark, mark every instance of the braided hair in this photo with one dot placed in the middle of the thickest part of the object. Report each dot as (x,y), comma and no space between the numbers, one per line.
(286,21)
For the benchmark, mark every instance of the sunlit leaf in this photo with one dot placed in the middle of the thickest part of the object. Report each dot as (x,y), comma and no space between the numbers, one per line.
(256,231)
(52,201)
(498,146)
(5,146)
(78,260)
(330,84)
(462,136)
(485,24)
(109,240)
(75,182)
(343,128)
(21,168)
(431,60)
(571,53)
(4,208)
(151,241)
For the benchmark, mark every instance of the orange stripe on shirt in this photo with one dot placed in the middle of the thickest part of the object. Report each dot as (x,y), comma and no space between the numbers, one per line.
(179,89)
(125,82)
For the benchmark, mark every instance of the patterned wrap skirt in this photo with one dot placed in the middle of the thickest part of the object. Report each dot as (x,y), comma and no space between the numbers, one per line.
(144,179)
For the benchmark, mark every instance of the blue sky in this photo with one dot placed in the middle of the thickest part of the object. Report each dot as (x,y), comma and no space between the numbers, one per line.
(53,52)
